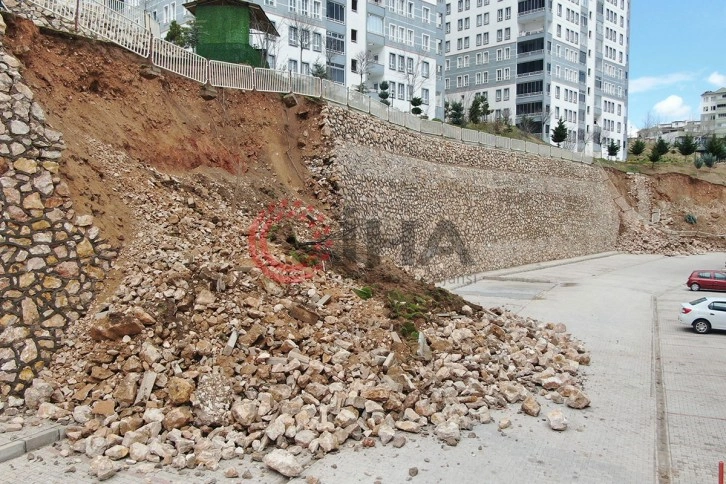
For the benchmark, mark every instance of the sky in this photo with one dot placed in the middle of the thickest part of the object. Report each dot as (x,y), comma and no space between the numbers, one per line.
(677,52)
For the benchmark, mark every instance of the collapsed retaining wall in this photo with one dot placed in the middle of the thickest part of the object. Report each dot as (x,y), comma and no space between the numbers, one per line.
(446,209)
(50,258)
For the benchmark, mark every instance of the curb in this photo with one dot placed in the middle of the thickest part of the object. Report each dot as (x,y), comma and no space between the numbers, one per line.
(503,274)
(31,441)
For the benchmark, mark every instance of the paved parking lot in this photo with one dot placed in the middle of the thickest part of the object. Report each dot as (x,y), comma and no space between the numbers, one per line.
(657,391)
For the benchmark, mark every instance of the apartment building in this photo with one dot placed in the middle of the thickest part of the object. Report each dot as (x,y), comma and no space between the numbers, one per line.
(538,61)
(713,112)
(356,42)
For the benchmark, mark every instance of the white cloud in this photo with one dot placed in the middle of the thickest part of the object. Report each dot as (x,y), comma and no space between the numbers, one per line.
(672,108)
(717,79)
(643,84)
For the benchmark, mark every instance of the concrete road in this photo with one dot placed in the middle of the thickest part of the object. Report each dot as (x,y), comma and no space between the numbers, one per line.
(657,389)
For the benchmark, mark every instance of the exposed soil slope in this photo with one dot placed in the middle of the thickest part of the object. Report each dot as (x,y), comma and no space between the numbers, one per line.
(95,91)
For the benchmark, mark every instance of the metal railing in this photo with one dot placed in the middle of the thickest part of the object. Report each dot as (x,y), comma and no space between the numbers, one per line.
(118,26)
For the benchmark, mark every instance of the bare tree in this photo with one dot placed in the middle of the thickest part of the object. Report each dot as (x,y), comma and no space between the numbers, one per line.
(363,61)
(651,128)
(300,31)
(268,43)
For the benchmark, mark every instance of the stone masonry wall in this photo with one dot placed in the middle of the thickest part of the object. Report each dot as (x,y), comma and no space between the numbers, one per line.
(50,258)
(445,209)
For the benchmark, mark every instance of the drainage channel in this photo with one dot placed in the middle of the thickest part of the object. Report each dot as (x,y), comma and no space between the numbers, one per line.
(663,452)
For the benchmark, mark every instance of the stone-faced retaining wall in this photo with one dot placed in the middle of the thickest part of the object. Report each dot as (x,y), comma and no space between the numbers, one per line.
(445,209)
(50,258)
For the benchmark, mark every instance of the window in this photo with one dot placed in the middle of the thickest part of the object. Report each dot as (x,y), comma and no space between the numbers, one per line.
(409,92)
(335,42)
(478,39)
(484,77)
(485,58)
(354,65)
(477,78)
(507,13)
(165,19)
(498,95)
(466,23)
(392,61)
(409,37)
(317,42)
(557,92)
(460,24)
(448,27)
(409,12)
(426,15)
(292,6)
(466,42)
(507,73)
(393,90)
(425,69)
(506,94)
(292,65)
(559,31)
(478,20)
(500,15)
(353,35)
(486,19)
(425,96)
(401,91)
(335,11)
(458,62)
(466,61)
(466,80)
(477,60)
(425,42)
(458,81)
(401,63)
(499,55)
(409,65)
(447,64)
(500,77)
(459,44)
(305,68)
(292,36)
(447,84)
(447,46)
(486,38)
(507,33)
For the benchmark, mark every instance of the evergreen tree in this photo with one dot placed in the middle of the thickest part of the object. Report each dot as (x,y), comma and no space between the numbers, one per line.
(176,34)
(654,156)
(638,147)
(613,148)
(456,112)
(383,93)
(319,70)
(687,146)
(716,147)
(661,146)
(415,103)
(559,133)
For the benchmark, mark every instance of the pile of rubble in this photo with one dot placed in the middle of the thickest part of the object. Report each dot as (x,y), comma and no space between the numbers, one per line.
(198,358)
(638,237)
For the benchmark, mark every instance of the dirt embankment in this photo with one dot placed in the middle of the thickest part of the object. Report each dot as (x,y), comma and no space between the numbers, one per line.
(673,196)
(94,91)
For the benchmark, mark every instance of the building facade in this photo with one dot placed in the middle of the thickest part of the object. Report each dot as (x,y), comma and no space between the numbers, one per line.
(538,61)
(356,42)
(713,112)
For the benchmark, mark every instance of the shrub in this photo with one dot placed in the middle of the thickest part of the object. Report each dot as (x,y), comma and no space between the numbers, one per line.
(365,292)
(691,219)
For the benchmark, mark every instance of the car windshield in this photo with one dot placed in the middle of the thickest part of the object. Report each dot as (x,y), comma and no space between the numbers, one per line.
(697,301)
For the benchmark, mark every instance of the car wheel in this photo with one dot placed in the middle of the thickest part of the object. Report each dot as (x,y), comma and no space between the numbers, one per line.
(701,326)
(695,287)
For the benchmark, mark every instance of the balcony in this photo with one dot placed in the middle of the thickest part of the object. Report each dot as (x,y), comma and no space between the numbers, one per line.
(530,53)
(530,74)
(530,33)
(376,69)
(535,12)
(375,39)
(530,94)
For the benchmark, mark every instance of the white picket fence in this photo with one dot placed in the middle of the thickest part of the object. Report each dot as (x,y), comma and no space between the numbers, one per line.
(123,23)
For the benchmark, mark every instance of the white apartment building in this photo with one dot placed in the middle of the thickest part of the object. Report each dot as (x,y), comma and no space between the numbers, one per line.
(357,41)
(538,61)
(713,112)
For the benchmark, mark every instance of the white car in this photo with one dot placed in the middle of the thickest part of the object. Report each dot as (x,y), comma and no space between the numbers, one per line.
(704,314)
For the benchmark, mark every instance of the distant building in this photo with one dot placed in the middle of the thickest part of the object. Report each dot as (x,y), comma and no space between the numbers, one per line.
(713,112)
(538,61)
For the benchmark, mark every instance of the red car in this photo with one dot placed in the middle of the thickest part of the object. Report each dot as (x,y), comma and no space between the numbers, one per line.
(708,280)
